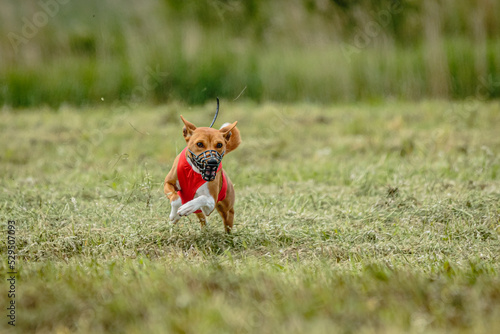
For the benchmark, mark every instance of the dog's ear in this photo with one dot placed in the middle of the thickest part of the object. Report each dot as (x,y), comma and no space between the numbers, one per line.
(226,130)
(188,129)
(232,136)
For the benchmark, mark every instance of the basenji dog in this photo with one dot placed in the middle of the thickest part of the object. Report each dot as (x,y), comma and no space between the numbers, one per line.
(197,183)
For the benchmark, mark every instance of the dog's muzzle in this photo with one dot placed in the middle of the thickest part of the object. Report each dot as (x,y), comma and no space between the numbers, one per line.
(207,162)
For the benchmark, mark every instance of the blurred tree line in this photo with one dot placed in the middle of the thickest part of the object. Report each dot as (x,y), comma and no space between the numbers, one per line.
(68,51)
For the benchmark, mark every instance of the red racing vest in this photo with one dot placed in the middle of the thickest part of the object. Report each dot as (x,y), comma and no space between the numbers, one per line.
(190,181)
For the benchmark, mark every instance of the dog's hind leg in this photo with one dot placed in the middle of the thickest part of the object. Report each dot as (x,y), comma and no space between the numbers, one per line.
(203,219)
(228,223)
(227,217)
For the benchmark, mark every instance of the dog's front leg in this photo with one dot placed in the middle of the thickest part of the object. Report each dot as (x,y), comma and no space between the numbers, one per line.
(176,204)
(170,187)
(203,201)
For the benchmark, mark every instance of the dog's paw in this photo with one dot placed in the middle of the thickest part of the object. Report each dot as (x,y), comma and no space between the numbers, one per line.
(174,218)
(187,209)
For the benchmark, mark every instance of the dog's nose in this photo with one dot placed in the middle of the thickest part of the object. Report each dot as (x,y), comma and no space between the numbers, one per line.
(213,162)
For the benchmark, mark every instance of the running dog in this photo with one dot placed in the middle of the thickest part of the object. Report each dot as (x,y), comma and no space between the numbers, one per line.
(197,183)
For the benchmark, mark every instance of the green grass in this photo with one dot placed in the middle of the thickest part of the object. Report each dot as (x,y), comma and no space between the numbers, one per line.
(358,218)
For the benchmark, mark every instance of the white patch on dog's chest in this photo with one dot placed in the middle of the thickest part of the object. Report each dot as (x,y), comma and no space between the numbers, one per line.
(202,191)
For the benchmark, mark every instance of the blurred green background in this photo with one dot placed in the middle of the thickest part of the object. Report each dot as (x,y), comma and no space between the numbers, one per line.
(57,52)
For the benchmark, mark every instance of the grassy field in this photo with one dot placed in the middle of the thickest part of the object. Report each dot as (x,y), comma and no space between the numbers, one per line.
(357,218)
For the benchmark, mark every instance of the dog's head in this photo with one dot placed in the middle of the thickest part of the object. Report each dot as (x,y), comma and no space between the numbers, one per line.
(207,146)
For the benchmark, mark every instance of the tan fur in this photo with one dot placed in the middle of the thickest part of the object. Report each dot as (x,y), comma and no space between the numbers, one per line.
(230,138)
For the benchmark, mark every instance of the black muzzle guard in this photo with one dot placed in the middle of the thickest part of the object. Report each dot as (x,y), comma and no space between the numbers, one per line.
(207,163)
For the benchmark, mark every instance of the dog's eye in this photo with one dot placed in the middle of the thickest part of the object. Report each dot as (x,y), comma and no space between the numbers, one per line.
(200,144)
(219,145)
